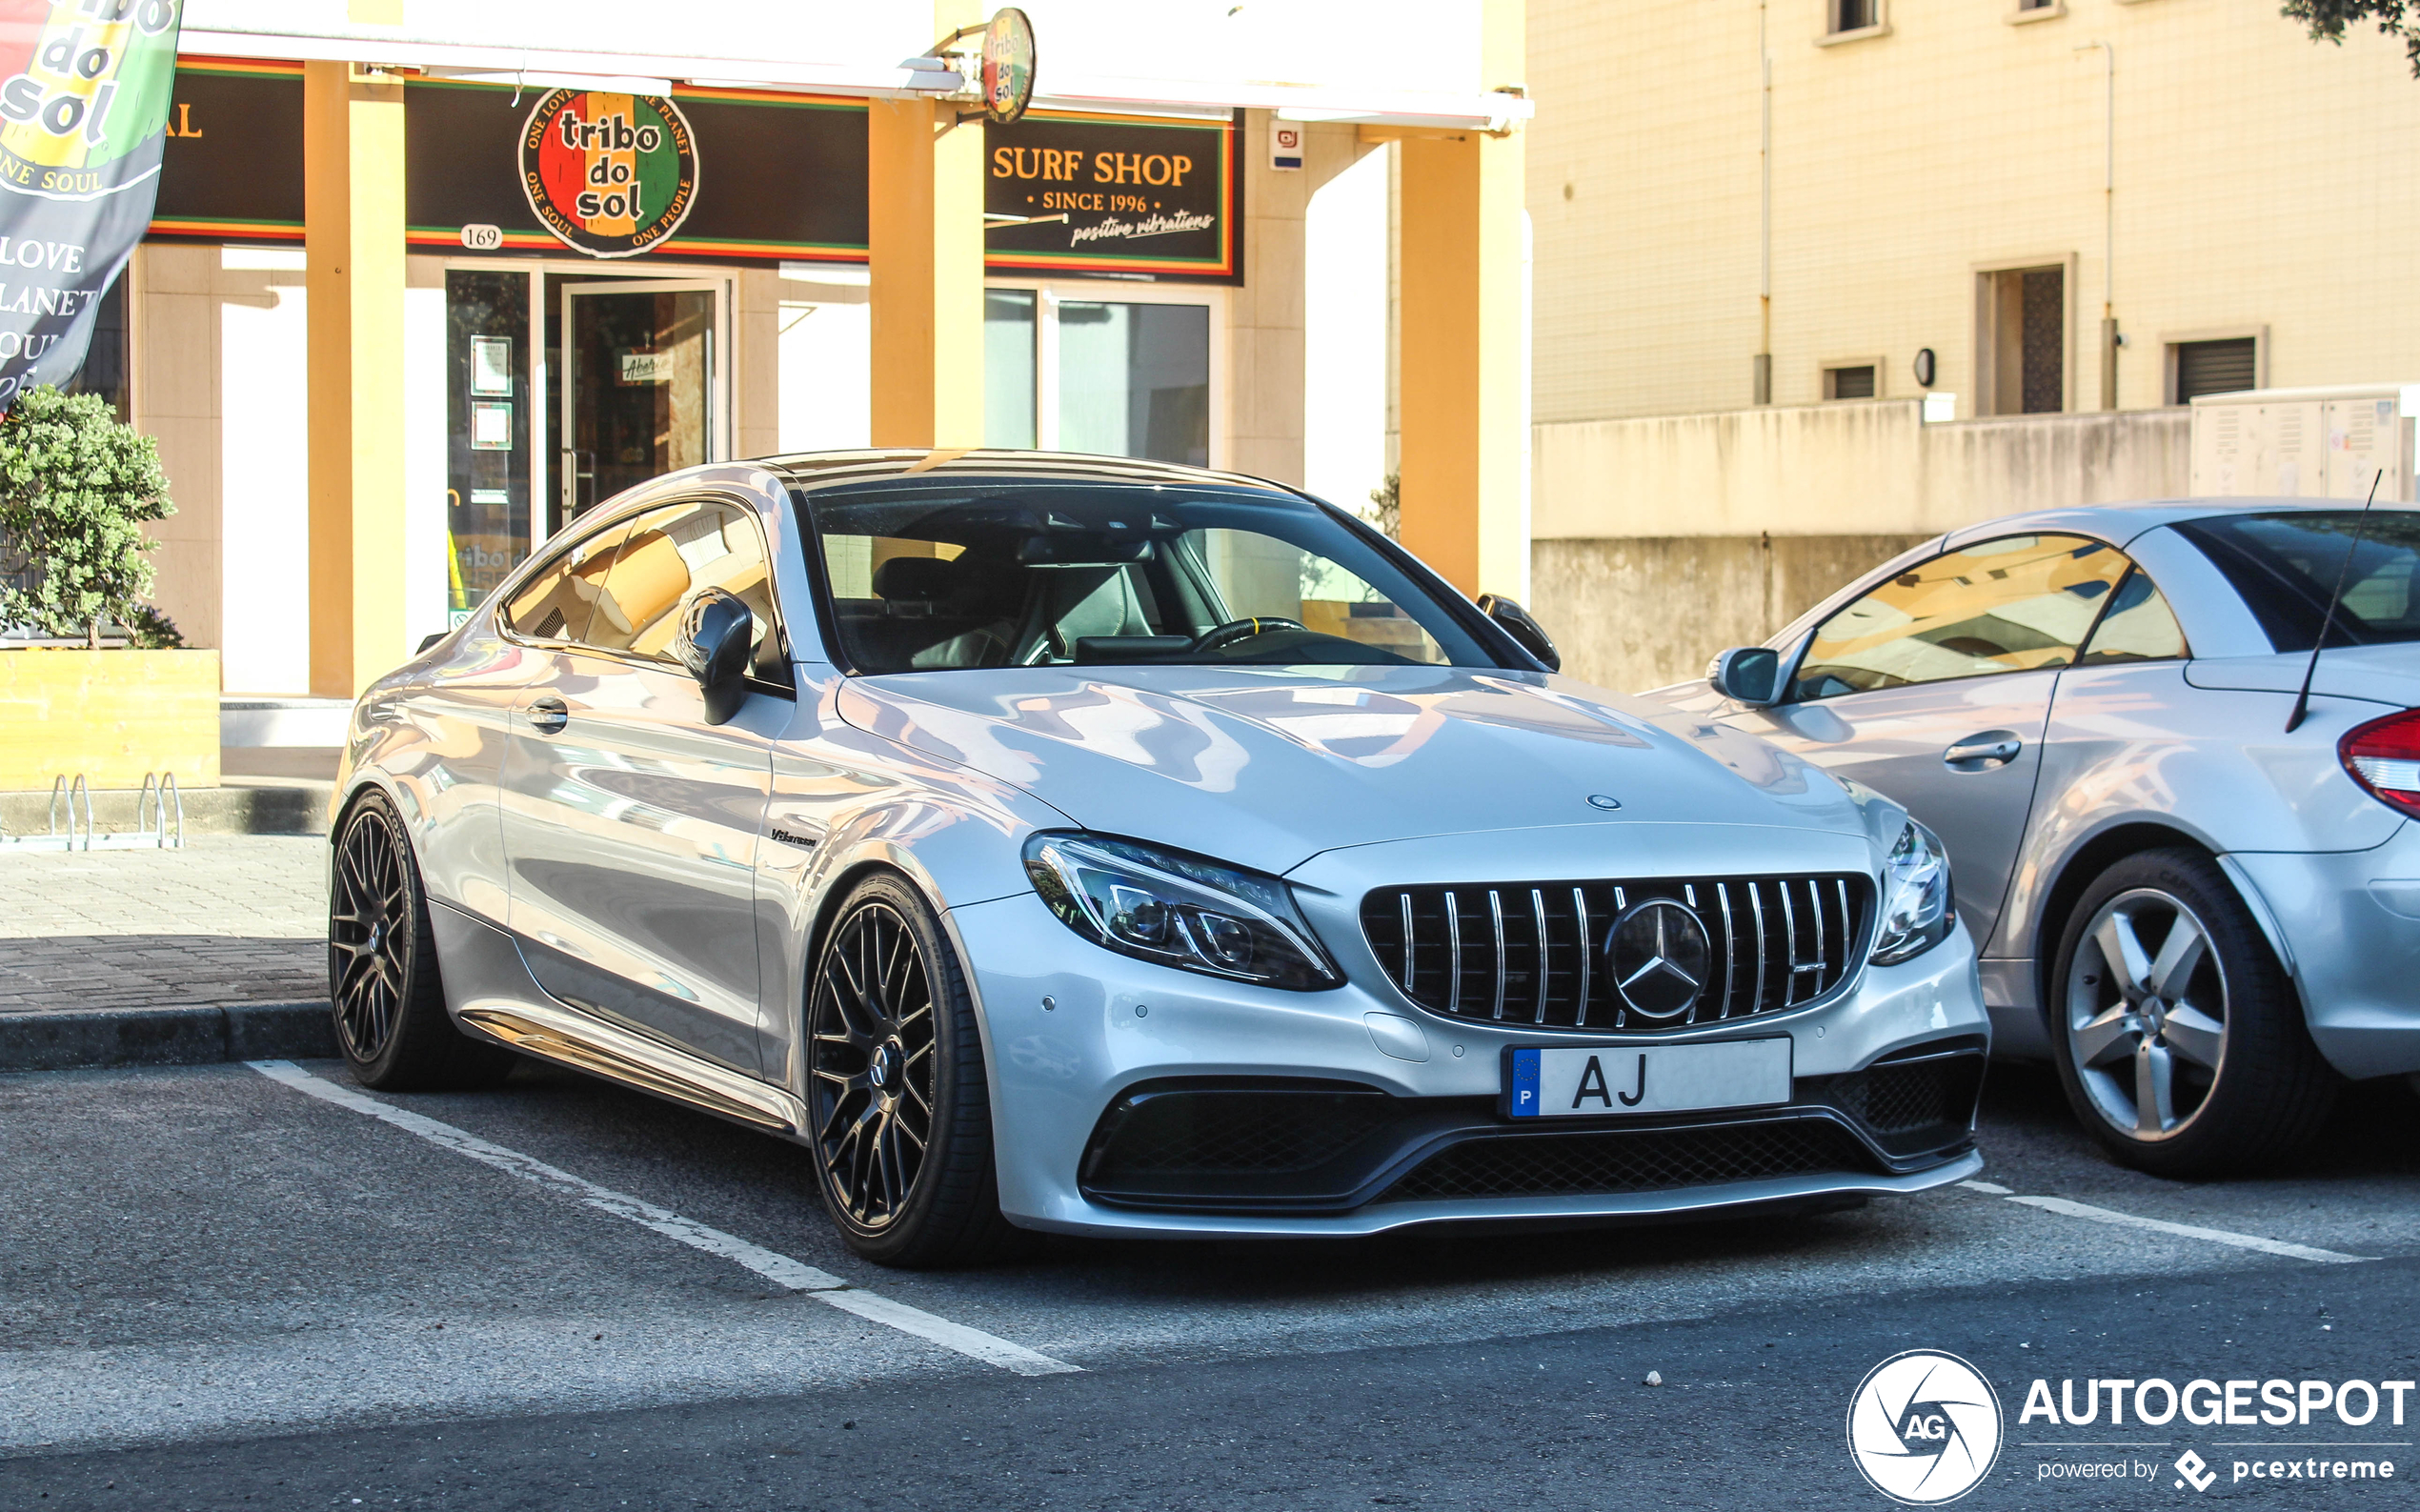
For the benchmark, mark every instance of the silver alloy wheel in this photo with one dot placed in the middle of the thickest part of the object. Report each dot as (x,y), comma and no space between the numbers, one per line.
(2146,1014)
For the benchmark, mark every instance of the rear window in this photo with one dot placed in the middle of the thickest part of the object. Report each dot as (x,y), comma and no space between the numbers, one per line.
(2286,565)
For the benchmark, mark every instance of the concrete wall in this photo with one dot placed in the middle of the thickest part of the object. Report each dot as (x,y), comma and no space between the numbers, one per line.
(1659,541)
(2262,181)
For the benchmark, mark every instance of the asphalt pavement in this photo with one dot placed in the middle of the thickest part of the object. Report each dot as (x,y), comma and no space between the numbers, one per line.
(218,1287)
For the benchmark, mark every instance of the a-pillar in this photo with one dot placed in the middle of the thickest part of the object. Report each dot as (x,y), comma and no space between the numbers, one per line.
(924,241)
(353,235)
(1461,349)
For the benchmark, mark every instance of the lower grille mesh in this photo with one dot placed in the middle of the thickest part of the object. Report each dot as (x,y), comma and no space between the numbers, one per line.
(1634,1160)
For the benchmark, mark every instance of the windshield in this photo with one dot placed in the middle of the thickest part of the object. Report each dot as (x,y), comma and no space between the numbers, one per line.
(926,575)
(2286,565)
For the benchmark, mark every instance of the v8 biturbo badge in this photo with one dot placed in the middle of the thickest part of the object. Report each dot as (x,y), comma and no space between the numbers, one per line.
(612,176)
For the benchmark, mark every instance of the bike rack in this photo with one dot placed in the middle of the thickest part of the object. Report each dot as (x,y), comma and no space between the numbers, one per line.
(158,798)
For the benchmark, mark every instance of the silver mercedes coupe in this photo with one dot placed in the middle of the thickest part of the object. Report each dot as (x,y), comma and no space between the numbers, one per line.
(2182,831)
(1077,844)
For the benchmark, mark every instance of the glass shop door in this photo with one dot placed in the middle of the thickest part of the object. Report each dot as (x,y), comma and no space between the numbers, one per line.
(645,386)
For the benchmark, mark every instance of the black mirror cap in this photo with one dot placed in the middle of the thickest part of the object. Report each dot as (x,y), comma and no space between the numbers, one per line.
(1523,628)
(717,634)
(1748,675)
(428,641)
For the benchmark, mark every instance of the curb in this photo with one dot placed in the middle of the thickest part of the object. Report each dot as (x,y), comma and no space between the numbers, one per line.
(82,1038)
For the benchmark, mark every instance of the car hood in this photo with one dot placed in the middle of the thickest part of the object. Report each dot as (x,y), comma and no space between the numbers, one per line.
(1267,767)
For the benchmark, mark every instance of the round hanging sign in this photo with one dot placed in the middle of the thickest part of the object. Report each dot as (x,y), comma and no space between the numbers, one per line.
(1008,65)
(609,174)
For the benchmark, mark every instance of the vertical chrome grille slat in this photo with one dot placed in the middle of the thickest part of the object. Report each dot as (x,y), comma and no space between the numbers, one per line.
(1580,908)
(1802,931)
(1453,964)
(1496,915)
(1538,907)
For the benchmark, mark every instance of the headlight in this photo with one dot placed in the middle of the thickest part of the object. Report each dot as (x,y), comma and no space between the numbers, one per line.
(1178,910)
(1916,902)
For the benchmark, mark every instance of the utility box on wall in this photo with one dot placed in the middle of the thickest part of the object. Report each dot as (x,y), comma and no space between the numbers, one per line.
(2306,443)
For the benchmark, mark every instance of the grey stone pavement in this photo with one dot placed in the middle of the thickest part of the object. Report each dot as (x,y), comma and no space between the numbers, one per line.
(227,919)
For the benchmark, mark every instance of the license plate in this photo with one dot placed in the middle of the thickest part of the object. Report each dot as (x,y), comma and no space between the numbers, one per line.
(1565,1082)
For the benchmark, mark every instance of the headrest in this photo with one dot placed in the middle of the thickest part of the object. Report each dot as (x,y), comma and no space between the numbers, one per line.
(925,577)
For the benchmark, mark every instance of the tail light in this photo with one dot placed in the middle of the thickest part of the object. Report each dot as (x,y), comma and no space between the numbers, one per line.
(2384,756)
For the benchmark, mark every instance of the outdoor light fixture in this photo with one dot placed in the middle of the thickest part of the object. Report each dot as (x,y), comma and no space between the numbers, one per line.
(1924,368)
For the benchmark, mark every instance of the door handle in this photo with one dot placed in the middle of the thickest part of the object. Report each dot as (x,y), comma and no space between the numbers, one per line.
(549,716)
(1978,752)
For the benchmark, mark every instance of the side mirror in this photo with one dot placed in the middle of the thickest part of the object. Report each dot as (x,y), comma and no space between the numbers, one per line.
(717,634)
(1748,675)
(1523,628)
(426,641)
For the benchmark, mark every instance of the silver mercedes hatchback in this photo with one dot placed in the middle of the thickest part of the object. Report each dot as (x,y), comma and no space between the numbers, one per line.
(2184,839)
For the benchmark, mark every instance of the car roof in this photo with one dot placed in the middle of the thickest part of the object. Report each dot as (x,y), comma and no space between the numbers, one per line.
(814,470)
(2121,522)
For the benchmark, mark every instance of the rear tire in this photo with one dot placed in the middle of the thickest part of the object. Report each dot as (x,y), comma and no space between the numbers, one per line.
(899,1106)
(383,982)
(2179,1038)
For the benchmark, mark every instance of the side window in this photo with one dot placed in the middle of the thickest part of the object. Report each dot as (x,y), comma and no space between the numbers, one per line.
(559,602)
(670,554)
(2139,627)
(2016,604)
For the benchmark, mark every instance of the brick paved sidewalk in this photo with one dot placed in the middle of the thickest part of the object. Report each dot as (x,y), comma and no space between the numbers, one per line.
(228,919)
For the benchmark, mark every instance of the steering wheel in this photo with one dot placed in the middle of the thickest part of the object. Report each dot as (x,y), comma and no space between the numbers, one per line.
(1235,630)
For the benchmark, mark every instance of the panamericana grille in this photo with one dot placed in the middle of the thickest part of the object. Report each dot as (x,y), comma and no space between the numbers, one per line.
(1535,953)
(1632,1160)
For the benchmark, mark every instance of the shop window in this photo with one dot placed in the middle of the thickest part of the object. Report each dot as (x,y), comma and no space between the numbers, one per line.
(487,341)
(2021,332)
(104,361)
(1009,334)
(1134,380)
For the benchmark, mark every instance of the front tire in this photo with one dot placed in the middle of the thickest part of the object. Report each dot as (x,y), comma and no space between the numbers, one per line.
(382,966)
(2179,1038)
(899,1107)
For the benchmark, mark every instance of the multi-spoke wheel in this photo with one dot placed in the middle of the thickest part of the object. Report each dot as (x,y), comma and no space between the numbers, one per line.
(382,965)
(900,1114)
(2180,1040)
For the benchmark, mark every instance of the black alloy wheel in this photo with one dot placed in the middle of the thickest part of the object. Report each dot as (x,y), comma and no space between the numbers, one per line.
(382,965)
(898,1110)
(2179,1036)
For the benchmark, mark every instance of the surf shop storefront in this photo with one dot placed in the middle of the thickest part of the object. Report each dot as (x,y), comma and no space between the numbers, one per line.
(600,286)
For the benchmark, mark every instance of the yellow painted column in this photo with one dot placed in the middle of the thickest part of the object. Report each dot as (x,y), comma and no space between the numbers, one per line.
(353,218)
(924,238)
(1460,348)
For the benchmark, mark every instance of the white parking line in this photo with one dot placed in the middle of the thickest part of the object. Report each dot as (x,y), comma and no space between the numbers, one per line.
(2215,1236)
(780,1269)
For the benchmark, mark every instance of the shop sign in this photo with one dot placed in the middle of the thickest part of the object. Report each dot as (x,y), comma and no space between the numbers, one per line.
(84,104)
(1106,194)
(1008,65)
(609,174)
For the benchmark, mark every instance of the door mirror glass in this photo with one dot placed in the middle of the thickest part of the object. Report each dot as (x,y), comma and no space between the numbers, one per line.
(716,640)
(1523,628)
(1748,675)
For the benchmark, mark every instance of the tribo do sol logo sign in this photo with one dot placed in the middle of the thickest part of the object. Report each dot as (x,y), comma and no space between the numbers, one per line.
(1925,1427)
(608,175)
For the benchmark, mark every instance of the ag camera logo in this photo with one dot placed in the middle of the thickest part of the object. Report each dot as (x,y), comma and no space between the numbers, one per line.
(1925,1427)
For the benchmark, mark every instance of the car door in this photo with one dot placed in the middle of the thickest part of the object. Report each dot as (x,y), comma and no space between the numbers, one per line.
(631,820)
(1934,687)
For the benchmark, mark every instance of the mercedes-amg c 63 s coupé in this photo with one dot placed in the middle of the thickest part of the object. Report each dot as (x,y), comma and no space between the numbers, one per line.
(1103,847)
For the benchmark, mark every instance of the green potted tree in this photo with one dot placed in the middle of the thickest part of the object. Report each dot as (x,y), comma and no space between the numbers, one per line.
(77,488)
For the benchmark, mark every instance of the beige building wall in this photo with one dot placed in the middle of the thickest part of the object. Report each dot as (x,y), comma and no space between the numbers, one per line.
(2262,181)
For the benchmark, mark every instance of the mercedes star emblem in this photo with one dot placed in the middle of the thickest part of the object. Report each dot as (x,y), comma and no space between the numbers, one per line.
(1661,956)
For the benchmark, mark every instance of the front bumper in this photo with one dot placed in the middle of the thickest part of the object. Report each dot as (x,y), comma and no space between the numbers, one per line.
(1074,1032)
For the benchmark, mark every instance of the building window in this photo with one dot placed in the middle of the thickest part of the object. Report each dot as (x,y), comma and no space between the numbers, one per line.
(1854,15)
(104,361)
(2226,366)
(1133,375)
(2037,11)
(1858,382)
(2024,346)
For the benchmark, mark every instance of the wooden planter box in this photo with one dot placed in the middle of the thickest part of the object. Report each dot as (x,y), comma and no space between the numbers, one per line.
(110,714)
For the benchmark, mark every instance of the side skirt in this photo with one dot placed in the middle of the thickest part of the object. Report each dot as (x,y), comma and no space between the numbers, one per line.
(490,992)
